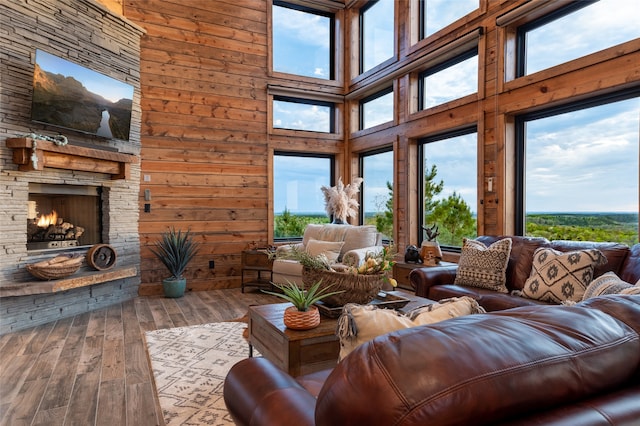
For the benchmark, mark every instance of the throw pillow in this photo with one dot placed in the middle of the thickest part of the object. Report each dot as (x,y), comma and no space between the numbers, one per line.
(359,237)
(360,323)
(330,249)
(634,289)
(560,276)
(482,266)
(607,283)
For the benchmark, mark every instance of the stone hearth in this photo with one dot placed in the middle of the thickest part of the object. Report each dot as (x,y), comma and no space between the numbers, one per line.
(84,32)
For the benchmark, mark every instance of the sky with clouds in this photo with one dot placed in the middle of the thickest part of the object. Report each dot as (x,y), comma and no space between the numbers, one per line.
(583,161)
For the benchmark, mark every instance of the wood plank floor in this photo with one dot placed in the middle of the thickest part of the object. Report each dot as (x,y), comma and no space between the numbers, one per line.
(92,369)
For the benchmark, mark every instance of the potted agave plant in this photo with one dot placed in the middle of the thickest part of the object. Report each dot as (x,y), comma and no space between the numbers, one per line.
(175,250)
(303,315)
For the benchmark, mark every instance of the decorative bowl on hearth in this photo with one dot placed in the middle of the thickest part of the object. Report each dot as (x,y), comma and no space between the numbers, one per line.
(56,268)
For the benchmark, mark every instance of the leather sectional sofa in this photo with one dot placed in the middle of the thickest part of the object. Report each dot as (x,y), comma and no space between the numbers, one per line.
(532,365)
(438,282)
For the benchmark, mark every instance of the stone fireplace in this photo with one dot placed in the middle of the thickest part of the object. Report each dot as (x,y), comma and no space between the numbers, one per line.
(87,190)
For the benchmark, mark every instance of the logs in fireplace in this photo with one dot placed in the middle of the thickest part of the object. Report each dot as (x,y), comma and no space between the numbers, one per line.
(51,231)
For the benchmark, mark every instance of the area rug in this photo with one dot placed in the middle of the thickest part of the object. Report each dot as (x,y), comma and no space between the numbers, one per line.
(189,366)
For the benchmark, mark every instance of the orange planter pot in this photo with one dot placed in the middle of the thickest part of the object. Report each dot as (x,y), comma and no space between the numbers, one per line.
(297,320)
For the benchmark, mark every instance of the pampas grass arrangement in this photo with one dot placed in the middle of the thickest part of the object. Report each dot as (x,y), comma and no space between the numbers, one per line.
(340,200)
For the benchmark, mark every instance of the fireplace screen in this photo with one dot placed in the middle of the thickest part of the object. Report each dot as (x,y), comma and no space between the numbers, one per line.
(61,216)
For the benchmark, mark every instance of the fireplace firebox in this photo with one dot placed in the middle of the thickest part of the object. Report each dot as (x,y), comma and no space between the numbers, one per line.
(63,216)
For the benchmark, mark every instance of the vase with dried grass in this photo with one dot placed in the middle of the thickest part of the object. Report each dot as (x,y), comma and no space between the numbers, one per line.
(341,201)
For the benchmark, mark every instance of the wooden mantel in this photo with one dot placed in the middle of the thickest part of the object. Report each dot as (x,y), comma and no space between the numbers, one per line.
(69,157)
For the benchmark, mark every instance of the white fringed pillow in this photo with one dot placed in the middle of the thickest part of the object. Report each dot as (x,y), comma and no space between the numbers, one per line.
(360,323)
(609,283)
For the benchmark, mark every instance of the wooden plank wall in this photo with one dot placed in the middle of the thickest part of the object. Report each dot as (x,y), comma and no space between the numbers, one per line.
(203,76)
(207,142)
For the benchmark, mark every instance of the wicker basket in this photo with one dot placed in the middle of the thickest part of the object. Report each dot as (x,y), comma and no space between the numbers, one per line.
(59,267)
(298,320)
(359,288)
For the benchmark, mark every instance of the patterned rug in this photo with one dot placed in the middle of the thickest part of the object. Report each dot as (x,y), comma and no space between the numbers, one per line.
(189,366)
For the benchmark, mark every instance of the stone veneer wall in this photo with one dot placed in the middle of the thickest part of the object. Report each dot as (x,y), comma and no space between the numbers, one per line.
(86,33)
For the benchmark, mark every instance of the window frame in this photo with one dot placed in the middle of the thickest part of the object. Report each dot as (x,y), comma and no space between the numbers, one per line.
(522,30)
(421,142)
(421,19)
(370,98)
(307,101)
(520,121)
(332,39)
(361,157)
(361,38)
(283,153)
(422,75)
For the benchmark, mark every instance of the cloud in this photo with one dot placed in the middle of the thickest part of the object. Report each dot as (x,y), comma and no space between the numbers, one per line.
(595,27)
(301,42)
(454,82)
(584,160)
(298,116)
(440,13)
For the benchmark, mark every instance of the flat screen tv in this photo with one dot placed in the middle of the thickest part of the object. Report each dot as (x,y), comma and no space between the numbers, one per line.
(73,97)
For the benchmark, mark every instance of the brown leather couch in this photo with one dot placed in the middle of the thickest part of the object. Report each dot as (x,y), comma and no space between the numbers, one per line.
(437,282)
(533,365)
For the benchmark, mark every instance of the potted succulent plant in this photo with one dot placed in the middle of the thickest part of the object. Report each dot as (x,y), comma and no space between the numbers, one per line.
(175,250)
(303,315)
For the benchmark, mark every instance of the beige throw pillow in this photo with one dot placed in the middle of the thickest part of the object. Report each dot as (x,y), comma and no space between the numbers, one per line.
(358,237)
(609,283)
(558,277)
(330,249)
(482,266)
(360,323)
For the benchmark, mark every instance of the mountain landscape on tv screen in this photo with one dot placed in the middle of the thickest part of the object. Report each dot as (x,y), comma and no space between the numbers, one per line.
(63,101)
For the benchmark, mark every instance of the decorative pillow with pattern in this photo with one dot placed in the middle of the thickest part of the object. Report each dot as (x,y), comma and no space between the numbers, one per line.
(482,266)
(561,276)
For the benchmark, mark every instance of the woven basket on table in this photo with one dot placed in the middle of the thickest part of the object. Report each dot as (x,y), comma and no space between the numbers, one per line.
(63,266)
(359,288)
(299,320)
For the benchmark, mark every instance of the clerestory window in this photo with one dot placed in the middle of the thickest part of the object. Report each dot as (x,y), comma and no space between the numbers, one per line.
(576,30)
(303,41)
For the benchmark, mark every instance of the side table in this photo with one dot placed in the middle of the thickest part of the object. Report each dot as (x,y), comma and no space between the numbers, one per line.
(256,262)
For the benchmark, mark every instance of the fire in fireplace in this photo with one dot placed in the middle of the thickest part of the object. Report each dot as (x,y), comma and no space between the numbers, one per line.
(61,216)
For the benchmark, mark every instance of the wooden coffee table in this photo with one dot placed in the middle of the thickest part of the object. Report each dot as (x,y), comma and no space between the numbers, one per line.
(301,352)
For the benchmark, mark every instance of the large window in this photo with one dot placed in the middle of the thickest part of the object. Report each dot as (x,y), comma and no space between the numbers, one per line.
(449,185)
(574,31)
(377,191)
(376,34)
(437,14)
(580,171)
(297,197)
(303,41)
(376,109)
(448,81)
(303,114)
